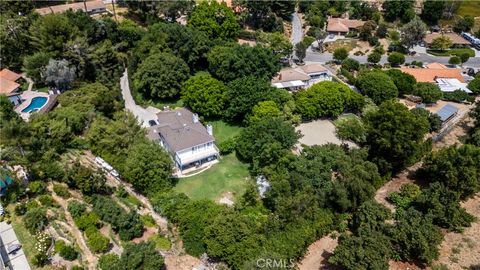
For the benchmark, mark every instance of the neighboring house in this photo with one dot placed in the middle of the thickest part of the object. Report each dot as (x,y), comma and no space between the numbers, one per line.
(180,132)
(93,7)
(339,26)
(457,40)
(447,79)
(9,87)
(294,79)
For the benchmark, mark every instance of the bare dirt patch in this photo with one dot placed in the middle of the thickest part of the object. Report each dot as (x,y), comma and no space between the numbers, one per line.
(147,234)
(318,253)
(182,262)
(462,250)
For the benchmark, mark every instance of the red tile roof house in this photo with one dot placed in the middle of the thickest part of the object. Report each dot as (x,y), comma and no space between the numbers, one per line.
(191,145)
(447,79)
(339,26)
(9,87)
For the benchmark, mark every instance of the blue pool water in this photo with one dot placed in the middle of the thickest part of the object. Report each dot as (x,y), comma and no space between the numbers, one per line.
(35,104)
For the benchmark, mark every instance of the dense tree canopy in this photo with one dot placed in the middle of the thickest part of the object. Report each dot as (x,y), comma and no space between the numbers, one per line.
(404,82)
(429,92)
(455,167)
(432,11)
(412,32)
(263,139)
(243,94)
(160,76)
(215,19)
(327,99)
(229,63)
(395,136)
(148,167)
(377,85)
(204,95)
(398,10)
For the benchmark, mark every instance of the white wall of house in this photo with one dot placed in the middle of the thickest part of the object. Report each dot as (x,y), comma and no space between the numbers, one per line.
(196,153)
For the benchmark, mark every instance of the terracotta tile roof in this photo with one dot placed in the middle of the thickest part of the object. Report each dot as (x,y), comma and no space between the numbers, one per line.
(91,5)
(430,74)
(436,66)
(9,75)
(455,38)
(342,25)
(8,87)
(179,131)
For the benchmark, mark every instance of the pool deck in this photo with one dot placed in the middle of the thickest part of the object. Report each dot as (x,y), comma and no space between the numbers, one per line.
(27,97)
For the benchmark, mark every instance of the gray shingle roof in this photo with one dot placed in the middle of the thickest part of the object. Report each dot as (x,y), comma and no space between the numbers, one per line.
(178,130)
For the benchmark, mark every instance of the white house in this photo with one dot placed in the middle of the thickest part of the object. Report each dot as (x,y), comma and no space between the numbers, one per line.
(190,144)
(293,79)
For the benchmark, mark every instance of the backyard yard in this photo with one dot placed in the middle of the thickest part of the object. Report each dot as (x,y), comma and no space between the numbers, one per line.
(228,175)
(348,44)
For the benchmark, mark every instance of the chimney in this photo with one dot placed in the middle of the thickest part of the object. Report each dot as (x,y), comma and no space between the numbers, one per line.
(210,130)
(195,118)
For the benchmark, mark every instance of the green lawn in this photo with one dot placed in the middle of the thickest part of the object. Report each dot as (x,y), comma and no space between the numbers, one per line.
(227,175)
(223,131)
(471,8)
(43,89)
(450,52)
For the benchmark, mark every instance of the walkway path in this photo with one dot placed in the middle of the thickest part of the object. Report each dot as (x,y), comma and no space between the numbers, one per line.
(143,115)
(88,255)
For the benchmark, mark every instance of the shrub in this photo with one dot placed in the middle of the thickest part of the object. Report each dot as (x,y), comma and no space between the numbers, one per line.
(417,63)
(40,259)
(106,261)
(373,41)
(350,128)
(87,220)
(350,64)
(20,209)
(396,59)
(61,191)
(76,208)
(474,86)
(35,220)
(37,187)
(374,57)
(46,200)
(121,192)
(457,96)
(66,251)
(340,54)
(96,241)
(228,146)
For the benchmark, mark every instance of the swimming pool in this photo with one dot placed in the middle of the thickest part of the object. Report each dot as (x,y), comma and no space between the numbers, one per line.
(35,104)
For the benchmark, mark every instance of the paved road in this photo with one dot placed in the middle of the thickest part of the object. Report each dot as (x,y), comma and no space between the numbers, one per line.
(143,115)
(423,57)
(297,31)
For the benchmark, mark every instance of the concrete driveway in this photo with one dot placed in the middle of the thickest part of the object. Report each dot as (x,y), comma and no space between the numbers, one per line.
(297,31)
(143,115)
(17,260)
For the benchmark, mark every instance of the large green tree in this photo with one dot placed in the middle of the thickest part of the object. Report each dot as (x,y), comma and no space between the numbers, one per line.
(413,32)
(148,167)
(138,256)
(243,94)
(51,32)
(160,76)
(404,82)
(327,99)
(377,85)
(266,139)
(398,10)
(231,62)
(429,92)
(204,95)
(395,136)
(456,167)
(215,19)
(34,64)
(432,11)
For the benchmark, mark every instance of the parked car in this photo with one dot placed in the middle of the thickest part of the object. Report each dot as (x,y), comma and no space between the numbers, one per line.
(12,249)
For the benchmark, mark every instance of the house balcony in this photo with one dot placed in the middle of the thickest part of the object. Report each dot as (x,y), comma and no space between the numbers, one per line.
(190,157)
